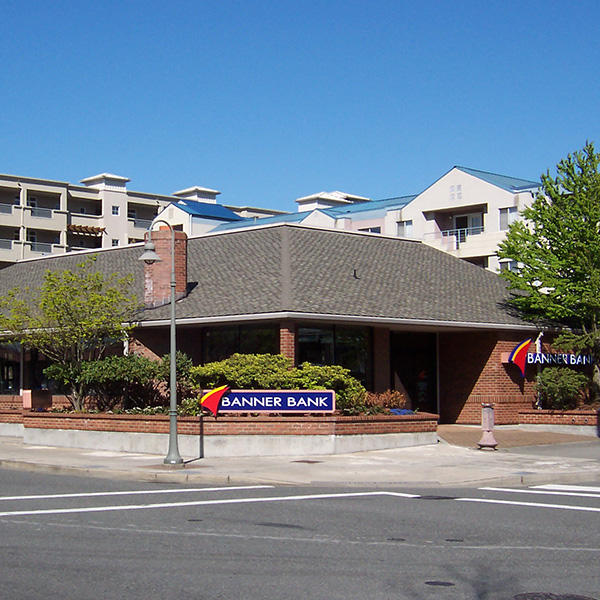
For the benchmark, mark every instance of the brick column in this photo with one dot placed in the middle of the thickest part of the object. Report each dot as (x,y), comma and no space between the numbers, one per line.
(287,340)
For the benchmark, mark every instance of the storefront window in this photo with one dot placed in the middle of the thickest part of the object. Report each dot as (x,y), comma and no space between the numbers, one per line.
(222,342)
(9,369)
(349,347)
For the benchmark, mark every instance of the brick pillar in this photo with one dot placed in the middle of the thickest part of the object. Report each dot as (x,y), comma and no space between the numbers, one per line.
(157,276)
(287,340)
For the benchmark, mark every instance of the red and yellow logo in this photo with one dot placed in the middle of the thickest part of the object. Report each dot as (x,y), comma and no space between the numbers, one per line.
(211,400)
(519,355)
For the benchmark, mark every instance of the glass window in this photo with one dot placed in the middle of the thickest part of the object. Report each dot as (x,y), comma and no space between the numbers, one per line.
(315,345)
(371,229)
(353,351)
(115,210)
(405,228)
(221,342)
(115,242)
(507,216)
(509,265)
(259,339)
(349,347)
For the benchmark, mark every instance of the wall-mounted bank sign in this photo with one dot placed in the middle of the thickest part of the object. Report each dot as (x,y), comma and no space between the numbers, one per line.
(222,400)
(521,357)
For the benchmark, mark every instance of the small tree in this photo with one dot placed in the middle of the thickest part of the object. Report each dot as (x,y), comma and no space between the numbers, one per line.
(74,316)
(557,248)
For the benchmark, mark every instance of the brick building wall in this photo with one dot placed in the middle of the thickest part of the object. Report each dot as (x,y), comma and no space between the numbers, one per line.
(287,340)
(472,372)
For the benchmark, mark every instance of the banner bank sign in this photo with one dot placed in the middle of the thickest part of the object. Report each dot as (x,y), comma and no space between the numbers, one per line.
(521,357)
(223,400)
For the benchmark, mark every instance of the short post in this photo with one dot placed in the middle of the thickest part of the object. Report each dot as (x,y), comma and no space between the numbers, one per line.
(487,424)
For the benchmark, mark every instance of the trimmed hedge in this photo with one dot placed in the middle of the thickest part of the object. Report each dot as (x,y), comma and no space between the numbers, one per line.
(275,371)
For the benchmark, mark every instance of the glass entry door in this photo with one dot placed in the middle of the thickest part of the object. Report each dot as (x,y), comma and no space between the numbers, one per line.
(414,368)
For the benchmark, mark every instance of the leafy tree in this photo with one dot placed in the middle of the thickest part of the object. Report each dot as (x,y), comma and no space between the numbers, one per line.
(73,317)
(557,248)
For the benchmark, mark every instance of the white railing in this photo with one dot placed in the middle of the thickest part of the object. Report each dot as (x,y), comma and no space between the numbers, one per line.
(461,234)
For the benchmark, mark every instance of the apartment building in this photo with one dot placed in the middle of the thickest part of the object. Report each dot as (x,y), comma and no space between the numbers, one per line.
(40,216)
(466,213)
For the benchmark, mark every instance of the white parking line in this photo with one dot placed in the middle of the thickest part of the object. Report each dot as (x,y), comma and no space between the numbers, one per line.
(56,511)
(537,491)
(134,492)
(533,504)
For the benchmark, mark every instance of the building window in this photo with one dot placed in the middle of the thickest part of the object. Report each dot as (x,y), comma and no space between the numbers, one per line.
(508,216)
(131,213)
(509,265)
(221,342)
(371,229)
(349,347)
(405,228)
(115,210)
(115,242)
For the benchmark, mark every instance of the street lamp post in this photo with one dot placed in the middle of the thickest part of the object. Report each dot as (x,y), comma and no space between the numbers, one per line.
(149,257)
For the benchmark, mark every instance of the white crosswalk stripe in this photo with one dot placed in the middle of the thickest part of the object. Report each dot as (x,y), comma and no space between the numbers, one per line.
(566,491)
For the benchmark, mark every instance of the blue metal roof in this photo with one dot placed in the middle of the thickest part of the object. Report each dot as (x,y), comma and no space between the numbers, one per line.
(510,184)
(252,221)
(207,210)
(385,203)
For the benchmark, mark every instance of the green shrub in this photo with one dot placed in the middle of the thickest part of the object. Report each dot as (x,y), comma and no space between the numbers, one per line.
(274,371)
(124,381)
(560,388)
(184,385)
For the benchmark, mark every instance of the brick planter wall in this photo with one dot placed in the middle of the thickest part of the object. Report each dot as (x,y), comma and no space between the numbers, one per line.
(226,436)
(10,401)
(235,425)
(558,417)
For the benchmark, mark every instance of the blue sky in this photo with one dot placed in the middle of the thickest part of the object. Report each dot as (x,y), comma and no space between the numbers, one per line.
(269,101)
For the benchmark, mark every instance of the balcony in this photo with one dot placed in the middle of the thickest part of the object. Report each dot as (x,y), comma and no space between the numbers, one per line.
(39,217)
(460,235)
(138,226)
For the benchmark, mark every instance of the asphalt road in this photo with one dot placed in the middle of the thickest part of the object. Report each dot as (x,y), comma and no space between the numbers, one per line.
(68,537)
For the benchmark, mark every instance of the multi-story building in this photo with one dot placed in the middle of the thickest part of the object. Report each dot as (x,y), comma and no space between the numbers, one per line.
(465,213)
(41,216)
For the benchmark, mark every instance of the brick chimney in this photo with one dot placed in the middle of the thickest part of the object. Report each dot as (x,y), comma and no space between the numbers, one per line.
(157,276)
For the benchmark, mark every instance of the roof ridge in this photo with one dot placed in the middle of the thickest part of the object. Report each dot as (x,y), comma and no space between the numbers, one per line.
(492,173)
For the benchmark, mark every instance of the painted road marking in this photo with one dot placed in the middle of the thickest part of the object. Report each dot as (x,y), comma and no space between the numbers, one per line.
(537,491)
(568,488)
(532,504)
(56,511)
(134,492)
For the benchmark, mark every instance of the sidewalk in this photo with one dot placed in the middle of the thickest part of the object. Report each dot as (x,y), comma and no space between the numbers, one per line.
(444,464)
